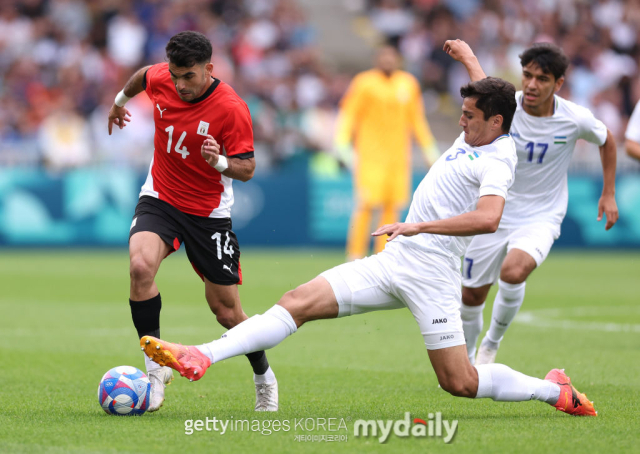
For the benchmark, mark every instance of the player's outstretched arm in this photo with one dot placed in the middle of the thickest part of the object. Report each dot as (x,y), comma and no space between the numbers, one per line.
(236,168)
(607,203)
(484,219)
(118,114)
(460,51)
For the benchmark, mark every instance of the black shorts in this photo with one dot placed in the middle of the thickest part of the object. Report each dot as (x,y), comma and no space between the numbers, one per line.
(211,245)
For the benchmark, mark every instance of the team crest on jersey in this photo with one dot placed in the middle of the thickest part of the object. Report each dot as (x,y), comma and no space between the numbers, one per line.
(203,128)
(461,151)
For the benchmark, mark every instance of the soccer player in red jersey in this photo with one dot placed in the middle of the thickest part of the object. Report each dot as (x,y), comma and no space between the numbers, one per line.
(203,141)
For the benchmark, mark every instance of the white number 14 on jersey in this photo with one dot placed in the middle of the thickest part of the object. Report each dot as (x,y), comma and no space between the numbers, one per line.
(179,148)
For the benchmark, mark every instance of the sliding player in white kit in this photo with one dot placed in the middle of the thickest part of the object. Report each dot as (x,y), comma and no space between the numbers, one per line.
(545,129)
(462,195)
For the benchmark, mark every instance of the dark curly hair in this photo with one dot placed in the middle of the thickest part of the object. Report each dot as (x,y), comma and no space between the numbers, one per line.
(188,48)
(548,57)
(493,96)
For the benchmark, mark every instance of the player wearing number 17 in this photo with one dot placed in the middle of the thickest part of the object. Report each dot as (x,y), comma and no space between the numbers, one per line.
(203,140)
(545,129)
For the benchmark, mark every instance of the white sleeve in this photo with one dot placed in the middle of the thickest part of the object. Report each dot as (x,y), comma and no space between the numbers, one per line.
(496,177)
(590,128)
(633,128)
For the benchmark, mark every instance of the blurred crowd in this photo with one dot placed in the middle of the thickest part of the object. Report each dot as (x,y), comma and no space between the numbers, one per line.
(601,38)
(63,61)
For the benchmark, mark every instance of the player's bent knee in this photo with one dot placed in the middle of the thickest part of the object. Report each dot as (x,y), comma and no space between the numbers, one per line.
(140,271)
(473,296)
(293,302)
(226,316)
(457,387)
(300,306)
(227,319)
(514,274)
(289,298)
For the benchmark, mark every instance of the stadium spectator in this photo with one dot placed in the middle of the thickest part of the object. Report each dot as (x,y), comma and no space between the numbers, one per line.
(267,52)
(264,48)
(64,137)
(600,39)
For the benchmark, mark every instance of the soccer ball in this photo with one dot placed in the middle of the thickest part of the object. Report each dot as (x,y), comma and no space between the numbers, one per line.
(124,391)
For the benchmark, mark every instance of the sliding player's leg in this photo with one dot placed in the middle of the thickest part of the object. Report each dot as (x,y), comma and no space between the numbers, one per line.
(433,301)
(501,383)
(311,301)
(326,296)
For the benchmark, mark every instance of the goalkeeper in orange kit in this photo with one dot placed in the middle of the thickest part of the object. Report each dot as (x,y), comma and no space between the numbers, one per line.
(380,111)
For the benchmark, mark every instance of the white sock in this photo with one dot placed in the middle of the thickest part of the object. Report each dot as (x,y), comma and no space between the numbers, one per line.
(501,383)
(505,307)
(150,365)
(267,378)
(260,332)
(472,324)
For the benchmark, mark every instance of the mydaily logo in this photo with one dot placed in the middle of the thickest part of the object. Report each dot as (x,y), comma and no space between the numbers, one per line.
(432,427)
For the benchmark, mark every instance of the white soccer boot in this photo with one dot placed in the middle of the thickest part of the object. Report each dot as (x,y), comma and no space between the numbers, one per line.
(487,352)
(159,379)
(267,397)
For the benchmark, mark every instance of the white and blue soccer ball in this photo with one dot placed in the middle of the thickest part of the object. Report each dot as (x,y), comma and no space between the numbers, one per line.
(124,391)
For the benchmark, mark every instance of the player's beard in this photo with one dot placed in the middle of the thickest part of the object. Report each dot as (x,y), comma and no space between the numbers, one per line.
(188,96)
(192,95)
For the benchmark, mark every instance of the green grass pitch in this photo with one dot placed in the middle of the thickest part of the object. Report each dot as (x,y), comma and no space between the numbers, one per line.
(65,320)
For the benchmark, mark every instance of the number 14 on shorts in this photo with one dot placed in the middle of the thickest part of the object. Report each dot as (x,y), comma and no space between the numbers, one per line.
(227,249)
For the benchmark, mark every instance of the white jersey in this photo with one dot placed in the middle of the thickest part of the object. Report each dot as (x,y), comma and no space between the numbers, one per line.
(453,186)
(633,128)
(545,146)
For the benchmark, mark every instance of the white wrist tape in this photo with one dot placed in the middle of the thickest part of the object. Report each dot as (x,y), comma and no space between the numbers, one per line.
(222,164)
(121,99)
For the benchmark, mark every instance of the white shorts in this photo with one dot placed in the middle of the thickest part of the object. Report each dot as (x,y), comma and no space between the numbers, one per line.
(485,254)
(401,276)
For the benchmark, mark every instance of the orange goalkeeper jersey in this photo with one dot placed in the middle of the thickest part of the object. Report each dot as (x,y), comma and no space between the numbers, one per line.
(378,114)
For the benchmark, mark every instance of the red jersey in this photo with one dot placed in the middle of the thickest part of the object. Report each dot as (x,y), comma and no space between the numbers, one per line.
(178,173)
